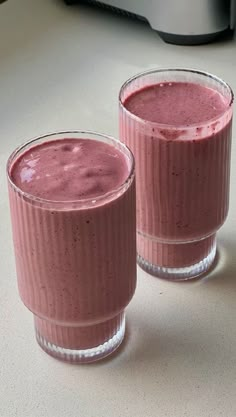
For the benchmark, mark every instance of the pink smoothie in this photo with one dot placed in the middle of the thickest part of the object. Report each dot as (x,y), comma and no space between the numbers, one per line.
(182,151)
(70,170)
(75,249)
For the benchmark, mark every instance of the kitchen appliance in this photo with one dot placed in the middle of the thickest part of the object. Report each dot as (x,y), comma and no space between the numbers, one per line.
(178,21)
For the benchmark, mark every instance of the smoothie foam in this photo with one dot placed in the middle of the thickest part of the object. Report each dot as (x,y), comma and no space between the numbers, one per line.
(70,169)
(176,103)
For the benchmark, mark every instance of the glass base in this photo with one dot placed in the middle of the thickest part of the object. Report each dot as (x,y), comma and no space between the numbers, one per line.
(180,273)
(90,354)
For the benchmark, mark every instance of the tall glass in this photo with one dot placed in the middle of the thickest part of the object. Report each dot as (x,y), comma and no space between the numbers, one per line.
(76,261)
(183,175)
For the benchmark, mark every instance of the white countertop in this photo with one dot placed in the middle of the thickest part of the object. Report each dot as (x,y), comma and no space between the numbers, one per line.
(61,68)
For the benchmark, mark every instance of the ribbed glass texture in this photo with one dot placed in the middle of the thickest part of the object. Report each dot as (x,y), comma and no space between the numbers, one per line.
(76,263)
(182,176)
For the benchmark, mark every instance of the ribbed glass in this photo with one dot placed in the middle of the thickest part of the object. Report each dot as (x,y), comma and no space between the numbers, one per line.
(76,262)
(182,175)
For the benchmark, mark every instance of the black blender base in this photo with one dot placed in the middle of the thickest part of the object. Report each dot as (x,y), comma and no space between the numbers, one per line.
(194,39)
(70,2)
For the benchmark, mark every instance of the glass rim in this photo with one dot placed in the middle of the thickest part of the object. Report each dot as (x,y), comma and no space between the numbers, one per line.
(175,69)
(80,203)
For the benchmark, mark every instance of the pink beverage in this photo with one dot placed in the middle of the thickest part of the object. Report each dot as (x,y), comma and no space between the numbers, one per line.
(178,125)
(72,200)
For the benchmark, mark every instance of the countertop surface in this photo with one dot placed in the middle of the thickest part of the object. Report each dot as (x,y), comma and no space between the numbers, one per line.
(60,68)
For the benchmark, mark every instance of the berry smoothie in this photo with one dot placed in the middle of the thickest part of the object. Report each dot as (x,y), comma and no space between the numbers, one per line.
(180,134)
(73,216)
